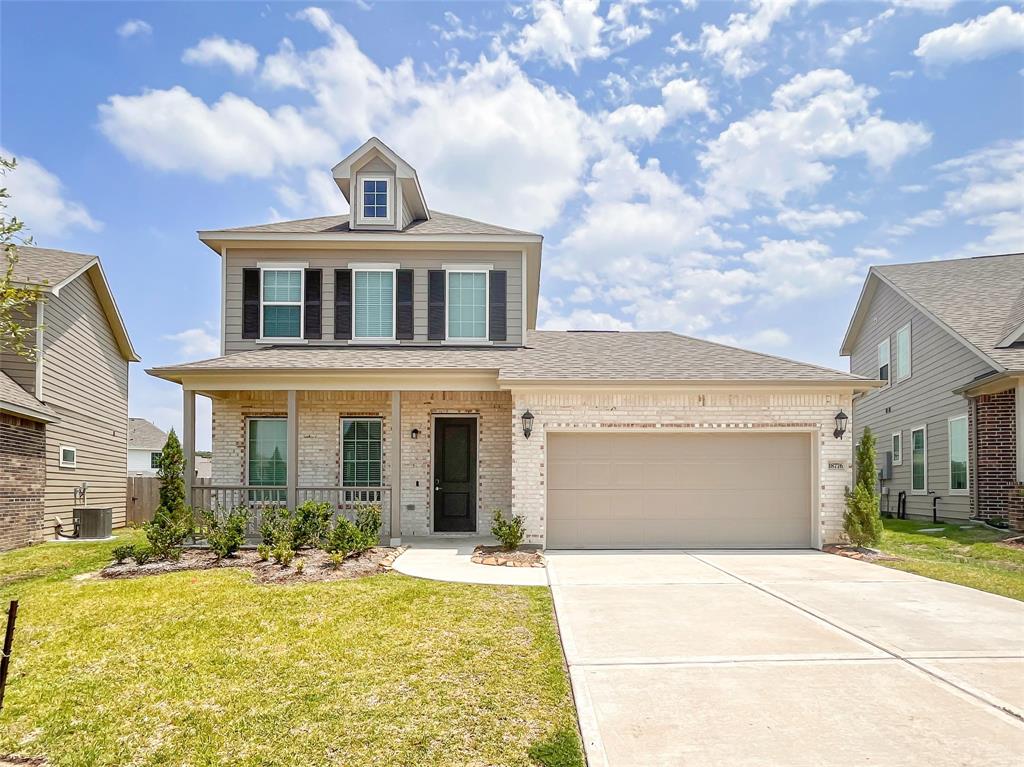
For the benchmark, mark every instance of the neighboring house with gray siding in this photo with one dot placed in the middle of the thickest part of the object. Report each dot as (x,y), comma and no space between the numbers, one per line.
(145,444)
(947,337)
(75,391)
(391,354)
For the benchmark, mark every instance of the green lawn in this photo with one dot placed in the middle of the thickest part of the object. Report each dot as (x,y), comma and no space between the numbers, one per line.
(205,668)
(969,557)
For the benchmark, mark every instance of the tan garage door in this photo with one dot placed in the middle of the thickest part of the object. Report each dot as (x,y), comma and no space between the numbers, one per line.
(614,490)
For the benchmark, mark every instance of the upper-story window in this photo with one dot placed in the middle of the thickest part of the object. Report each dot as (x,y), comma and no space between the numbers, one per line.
(375,198)
(467,304)
(281,304)
(883,360)
(374,304)
(903,353)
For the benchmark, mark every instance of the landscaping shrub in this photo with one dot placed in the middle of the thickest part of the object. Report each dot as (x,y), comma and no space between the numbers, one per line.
(122,552)
(224,531)
(173,523)
(508,531)
(310,524)
(337,559)
(276,526)
(368,521)
(862,521)
(347,537)
(142,554)
(263,552)
(283,554)
(300,566)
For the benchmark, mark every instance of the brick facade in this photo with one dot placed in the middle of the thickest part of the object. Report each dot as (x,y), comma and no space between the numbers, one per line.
(22,481)
(797,411)
(992,436)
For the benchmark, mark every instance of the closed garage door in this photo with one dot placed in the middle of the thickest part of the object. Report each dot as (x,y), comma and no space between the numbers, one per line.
(609,490)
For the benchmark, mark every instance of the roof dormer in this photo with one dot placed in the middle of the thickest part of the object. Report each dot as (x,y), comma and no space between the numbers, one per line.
(382,189)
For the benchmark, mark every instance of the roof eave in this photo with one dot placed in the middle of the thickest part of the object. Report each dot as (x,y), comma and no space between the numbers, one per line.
(856,384)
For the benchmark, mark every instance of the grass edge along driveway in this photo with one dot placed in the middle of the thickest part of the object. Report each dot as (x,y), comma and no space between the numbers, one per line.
(207,668)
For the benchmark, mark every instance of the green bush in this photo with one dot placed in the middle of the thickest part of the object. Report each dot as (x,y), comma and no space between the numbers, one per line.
(369,522)
(142,554)
(862,521)
(122,552)
(224,531)
(300,566)
(168,531)
(310,524)
(347,537)
(263,552)
(508,531)
(283,554)
(170,469)
(276,526)
(336,559)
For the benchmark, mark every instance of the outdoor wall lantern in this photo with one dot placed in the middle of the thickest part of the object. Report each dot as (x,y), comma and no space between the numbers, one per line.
(841,420)
(527,424)
(415,434)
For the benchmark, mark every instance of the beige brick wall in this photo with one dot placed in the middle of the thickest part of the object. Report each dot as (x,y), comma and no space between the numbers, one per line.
(320,415)
(798,411)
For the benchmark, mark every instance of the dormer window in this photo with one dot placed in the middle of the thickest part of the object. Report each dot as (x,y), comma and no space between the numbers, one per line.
(375,199)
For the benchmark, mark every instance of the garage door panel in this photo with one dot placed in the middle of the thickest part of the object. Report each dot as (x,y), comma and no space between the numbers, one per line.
(680,490)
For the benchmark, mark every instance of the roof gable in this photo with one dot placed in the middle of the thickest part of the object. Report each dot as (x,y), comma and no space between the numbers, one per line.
(370,156)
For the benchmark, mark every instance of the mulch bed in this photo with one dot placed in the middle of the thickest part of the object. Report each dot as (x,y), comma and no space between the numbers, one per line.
(499,557)
(316,566)
(1013,543)
(13,760)
(858,552)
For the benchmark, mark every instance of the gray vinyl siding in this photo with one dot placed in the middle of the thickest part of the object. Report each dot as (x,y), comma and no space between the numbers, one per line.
(420,261)
(939,364)
(85,381)
(21,370)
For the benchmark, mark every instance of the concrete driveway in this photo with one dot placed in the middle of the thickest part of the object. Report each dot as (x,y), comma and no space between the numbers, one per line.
(785,658)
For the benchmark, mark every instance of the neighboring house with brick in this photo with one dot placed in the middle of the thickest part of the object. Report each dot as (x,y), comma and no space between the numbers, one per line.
(64,414)
(391,354)
(145,444)
(947,338)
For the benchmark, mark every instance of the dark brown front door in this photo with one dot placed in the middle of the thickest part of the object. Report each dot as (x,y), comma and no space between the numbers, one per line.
(455,475)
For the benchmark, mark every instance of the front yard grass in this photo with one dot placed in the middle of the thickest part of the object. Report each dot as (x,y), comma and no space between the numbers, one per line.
(971,557)
(208,668)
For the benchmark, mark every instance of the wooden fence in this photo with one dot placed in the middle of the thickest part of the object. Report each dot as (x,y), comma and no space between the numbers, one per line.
(143,497)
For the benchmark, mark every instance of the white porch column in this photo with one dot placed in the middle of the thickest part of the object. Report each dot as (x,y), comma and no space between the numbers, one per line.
(188,441)
(293,449)
(396,469)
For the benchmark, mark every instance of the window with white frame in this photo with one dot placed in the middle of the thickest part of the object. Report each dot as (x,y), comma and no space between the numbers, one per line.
(919,460)
(68,457)
(374,304)
(267,454)
(958,469)
(467,305)
(281,304)
(361,452)
(883,360)
(897,448)
(154,460)
(903,353)
(375,198)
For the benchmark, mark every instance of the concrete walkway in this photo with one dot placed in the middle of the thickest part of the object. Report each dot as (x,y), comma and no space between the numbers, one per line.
(448,559)
(786,658)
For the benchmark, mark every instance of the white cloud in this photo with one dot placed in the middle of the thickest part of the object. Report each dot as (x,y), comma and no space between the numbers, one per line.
(817,217)
(195,342)
(873,254)
(134,27)
(735,46)
(1001,31)
(683,97)
(174,130)
(913,188)
(767,338)
(39,199)
(565,33)
(633,122)
(859,35)
(815,118)
(790,269)
(236,55)
(933,6)
(578,319)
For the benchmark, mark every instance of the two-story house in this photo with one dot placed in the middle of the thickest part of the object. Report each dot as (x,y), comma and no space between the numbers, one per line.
(391,354)
(947,340)
(64,413)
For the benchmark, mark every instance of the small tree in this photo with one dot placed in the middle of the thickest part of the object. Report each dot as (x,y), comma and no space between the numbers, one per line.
(172,523)
(862,521)
(16,301)
(171,470)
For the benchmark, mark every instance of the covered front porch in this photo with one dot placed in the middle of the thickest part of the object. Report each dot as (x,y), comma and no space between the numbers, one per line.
(437,462)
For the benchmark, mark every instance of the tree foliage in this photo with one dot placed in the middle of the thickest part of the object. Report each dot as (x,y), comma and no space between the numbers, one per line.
(16,301)
(172,523)
(862,521)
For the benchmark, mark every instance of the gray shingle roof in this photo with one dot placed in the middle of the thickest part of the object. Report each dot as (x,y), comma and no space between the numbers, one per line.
(143,435)
(549,356)
(978,298)
(14,397)
(46,266)
(438,223)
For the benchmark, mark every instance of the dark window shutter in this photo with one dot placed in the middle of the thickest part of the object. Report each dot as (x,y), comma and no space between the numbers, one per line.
(403,305)
(313,309)
(498,308)
(250,303)
(343,303)
(435,304)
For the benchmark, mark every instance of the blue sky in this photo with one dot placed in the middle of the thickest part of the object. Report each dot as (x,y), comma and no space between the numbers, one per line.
(726,170)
